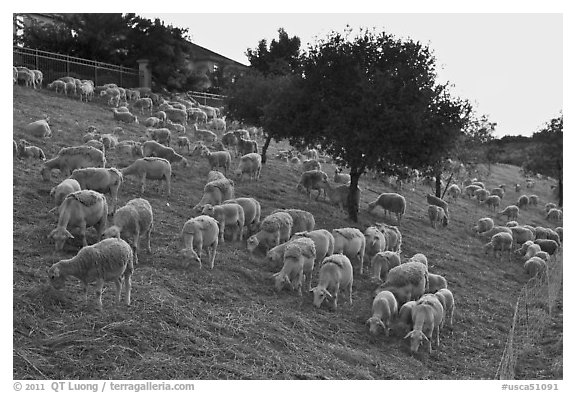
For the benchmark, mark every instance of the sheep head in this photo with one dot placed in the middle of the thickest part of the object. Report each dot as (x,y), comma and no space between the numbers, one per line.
(252,243)
(56,279)
(416,339)
(60,235)
(374,323)
(319,295)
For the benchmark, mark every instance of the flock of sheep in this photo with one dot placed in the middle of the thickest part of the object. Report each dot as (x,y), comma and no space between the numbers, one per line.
(410,298)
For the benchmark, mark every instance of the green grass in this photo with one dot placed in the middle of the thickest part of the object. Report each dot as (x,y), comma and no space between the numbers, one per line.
(229,323)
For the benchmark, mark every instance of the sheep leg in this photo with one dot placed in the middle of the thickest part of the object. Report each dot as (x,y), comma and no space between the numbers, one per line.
(99,288)
(83,233)
(142,183)
(168,184)
(118,285)
(350,292)
(147,234)
(211,255)
(128,286)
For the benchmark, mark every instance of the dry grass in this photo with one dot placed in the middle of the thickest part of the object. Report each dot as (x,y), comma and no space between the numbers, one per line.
(229,323)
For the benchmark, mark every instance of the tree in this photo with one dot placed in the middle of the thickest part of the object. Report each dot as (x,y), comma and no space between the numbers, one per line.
(369,102)
(281,58)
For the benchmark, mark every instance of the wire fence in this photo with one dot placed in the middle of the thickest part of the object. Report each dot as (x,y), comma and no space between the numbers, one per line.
(532,315)
(214,100)
(55,65)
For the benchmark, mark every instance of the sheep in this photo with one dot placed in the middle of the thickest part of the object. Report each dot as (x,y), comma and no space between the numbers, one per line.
(143,104)
(130,221)
(522,202)
(494,230)
(155,149)
(407,281)
(24,151)
(547,245)
(484,224)
(470,190)
(427,315)
(384,309)
(152,122)
(393,237)
(521,234)
(176,115)
(70,158)
(250,164)
(479,184)
(57,86)
(437,215)
(436,282)
(533,200)
(276,228)
(535,267)
(350,242)
(298,257)
(550,206)
(82,209)
(161,115)
(153,168)
(375,242)
(160,135)
(511,212)
(420,258)
(502,242)
(200,233)
(197,114)
(323,242)
(183,142)
(339,195)
(390,202)
(133,148)
(108,260)
(447,299)
(252,211)
(341,178)
(497,191)
(528,249)
(206,136)
(26,75)
(217,159)
(246,146)
(492,201)
(103,180)
(543,255)
(435,201)
(481,195)
(215,192)
(62,190)
(313,180)
(125,117)
(86,90)
(301,220)
(109,141)
(404,320)
(227,215)
(554,215)
(310,165)
(39,129)
(560,232)
(453,191)
(382,262)
(335,273)
(547,233)
(512,224)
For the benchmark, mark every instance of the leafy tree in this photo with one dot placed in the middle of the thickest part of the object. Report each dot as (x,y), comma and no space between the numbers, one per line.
(281,58)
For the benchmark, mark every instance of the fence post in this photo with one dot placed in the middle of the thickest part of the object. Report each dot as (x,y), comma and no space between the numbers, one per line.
(121,84)
(67,65)
(95,74)
(36,59)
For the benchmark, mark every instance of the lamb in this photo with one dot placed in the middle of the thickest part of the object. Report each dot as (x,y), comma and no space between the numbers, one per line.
(453,191)
(547,245)
(484,224)
(125,117)
(427,316)
(109,141)
(511,212)
(299,255)
(70,158)
(217,159)
(390,202)
(215,192)
(533,200)
(206,136)
(313,180)
(339,195)
(384,309)
(143,104)
(341,178)
(393,237)
(310,165)
(404,320)
(522,202)
(335,273)
(497,191)
(535,267)
(133,148)
(58,86)
(420,258)
(436,282)
(200,233)
(26,75)
(82,209)
(481,195)
(435,201)
(152,121)
(62,190)
(250,164)
(382,262)
(492,201)
(24,151)
(407,281)
(436,215)
(323,242)
(246,146)
(153,168)
(528,250)
(108,260)
(350,242)
(301,220)
(447,299)
(183,142)
(155,149)
(160,135)
(176,115)
(252,211)
(130,221)
(521,234)
(554,215)
(103,180)
(274,229)
(227,215)
(470,190)
(39,129)
(375,241)
(501,242)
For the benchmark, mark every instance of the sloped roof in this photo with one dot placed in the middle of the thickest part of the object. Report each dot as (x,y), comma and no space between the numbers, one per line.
(200,53)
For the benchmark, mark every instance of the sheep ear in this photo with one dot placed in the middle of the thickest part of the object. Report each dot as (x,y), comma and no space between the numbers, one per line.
(380,323)
(69,235)
(409,334)
(328,293)
(425,338)
(275,275)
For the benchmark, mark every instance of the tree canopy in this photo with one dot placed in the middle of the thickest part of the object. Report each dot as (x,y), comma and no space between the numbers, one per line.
(282,57)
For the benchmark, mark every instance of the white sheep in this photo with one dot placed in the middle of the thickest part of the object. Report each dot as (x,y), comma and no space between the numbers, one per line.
(533,200)
(497,191)
(494,230)
(246,146)
(143,104)
(205,135)
(104,180)
(437,216)
(375,242)
(155,149)
(427,316)
(339,195)
(547,233)
(217,159)
(404,320)
(61,191)
(323,242)
(57,86)
(153,168)
(500,242)
(382,262)
(528,249)
(200,233)
(313,180)
(252,211)
(492,201)
(341,178)
(548,245)
(108,260)
(549,206)
(393,236)
(131,221)
(276,228)
(215,192)
(436,282)
(70,158)
(535,267)
(214,175)
(407,281)
(511,212)
(435,201)
(543,255)
(24,150)
(125,117)
(160,135)
(39,129)
(335,274)
(299,255)
(250,164)
(522,202)
(227,215)
(301,220)
(132,148)
(390,202)
(453,191)
(152,121)
(183,142)
(447,299)
(384,310)
(470,190)
(481,194)
(80,209)
(521,234)
(350,242)
(554,215)
(176,115)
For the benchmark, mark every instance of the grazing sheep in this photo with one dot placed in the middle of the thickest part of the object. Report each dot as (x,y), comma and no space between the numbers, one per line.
(528,250)
(407,281)
(500,242)
(404,320)
(492,201)
(427,316)
(350,242)
(453,191)
(393,237)
(447,299)
(382,262)
(104,180)
(547,245)
(246,146)
(522,202)
(533,200)
(484,224)
(511,212)
(179,128)
(143,104)
(39,129)
(390,202)
(437,215)
(375,242)
(335,273)
(252,211)
(160,135)
(310,165)
(470,190)
(206,136)
(152,121)
(536,267)
(546,233)
(70,158)
(521,234)
(215,192)
(183,142)
(130,221)
(153,168)
(323,242)
(62,190)
(200,233)
(214,175)
(436,282)
(481,195)
(554,215)
(57,86)
(313,180)
(108,260)
(339,195)
(341,178)
(549,206)
(25,151)
(299,255)
(176,115)
(133,148)
(302,220)
(497,191)
(420,258)
(228,215)
(217,159)
(494,230)
(250,164)
(125,117)
(384,309)
(274,229)
(435,201)
(155,149)
(81,209)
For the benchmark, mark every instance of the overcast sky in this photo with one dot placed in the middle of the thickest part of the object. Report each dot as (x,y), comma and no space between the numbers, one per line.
(509,65)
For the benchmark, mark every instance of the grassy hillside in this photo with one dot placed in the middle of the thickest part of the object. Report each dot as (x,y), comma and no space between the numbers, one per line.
(229,323)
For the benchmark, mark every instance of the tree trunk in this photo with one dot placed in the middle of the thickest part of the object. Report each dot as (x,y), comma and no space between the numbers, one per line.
(353,194)
(438,176)
(447,185)
(265,148)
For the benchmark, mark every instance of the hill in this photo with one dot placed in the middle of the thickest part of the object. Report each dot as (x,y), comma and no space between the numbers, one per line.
(229,323)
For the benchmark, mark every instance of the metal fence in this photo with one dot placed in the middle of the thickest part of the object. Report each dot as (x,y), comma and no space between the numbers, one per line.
(214,100)
(55,65)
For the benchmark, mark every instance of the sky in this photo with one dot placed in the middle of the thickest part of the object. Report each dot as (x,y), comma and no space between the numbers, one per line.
(508,65)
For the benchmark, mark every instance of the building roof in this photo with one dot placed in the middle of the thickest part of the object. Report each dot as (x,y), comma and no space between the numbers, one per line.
(200,53)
